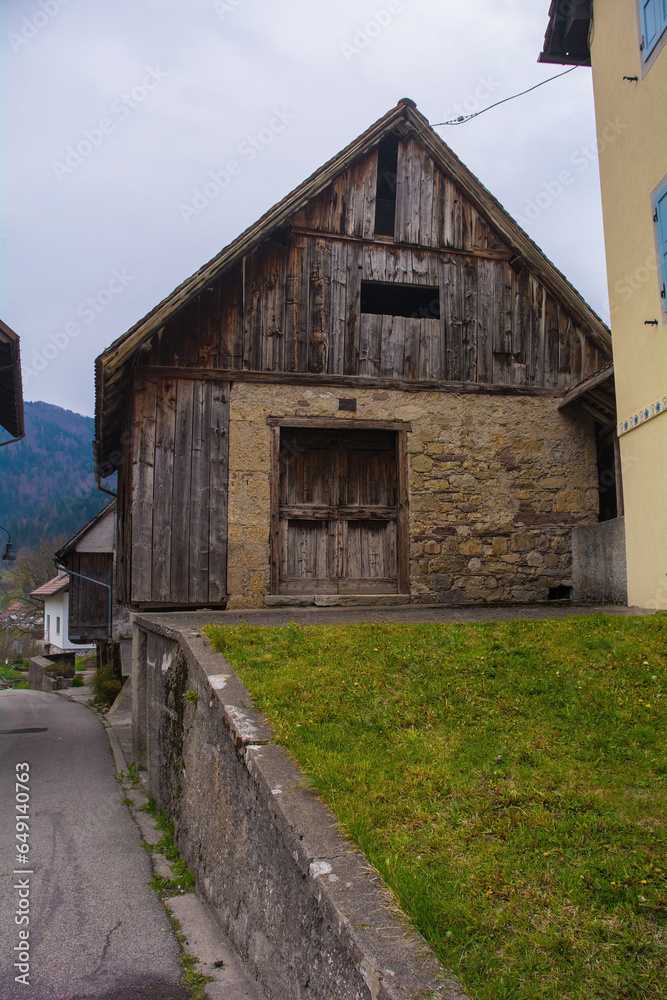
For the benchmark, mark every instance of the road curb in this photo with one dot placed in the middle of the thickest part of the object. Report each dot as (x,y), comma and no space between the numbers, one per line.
(199,932)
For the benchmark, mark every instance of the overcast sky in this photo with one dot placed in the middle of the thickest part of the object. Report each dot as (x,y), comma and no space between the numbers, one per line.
(117,111)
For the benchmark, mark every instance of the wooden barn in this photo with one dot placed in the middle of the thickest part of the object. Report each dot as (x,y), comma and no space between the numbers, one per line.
(373,393)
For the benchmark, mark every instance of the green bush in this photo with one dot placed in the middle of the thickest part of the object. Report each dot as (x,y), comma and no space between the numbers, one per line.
(61,668)
(77,681)
(105,685)
(26,665)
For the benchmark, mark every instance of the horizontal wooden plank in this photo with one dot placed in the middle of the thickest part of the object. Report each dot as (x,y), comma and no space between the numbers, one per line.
(320,512)
(335,423)
(350,381)
(388,241)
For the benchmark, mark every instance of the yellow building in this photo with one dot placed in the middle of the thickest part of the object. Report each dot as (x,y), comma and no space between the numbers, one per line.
(625,42)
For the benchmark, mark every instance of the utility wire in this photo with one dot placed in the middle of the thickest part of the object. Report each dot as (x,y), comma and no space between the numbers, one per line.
(466,118)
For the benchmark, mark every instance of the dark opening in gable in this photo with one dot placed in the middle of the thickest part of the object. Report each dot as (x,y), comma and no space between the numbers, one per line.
(385,199)
(418,301)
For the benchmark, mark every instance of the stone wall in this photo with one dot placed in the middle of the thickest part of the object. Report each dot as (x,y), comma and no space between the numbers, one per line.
(495,485)
(296,900)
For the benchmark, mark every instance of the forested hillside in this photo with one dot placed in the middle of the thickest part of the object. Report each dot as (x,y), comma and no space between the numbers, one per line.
(47,487)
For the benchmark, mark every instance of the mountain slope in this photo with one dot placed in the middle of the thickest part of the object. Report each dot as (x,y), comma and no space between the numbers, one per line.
(47,486)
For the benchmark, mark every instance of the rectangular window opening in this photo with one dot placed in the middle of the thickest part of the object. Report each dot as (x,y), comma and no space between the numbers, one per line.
(385,195)
(57,625)
(416,301)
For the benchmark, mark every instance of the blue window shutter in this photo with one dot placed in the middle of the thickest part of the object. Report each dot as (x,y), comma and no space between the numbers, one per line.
(661,222)
(654,22)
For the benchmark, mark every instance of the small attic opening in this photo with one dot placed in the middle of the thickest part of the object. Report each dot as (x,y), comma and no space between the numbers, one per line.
(394,299)
(385,195)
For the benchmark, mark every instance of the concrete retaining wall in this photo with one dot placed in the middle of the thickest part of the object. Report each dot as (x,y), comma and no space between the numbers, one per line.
(598,562)
(43,677)
(297,901)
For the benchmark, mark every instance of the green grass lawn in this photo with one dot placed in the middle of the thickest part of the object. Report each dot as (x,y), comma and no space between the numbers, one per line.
(507,780)
(12,674)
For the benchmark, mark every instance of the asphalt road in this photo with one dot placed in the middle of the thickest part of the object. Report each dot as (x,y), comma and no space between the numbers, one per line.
(96,929)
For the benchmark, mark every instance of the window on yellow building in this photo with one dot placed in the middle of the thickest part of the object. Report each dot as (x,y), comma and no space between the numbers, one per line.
(660,219)
(653,23)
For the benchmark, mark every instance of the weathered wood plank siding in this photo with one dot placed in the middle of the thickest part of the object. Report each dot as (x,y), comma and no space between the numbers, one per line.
(293,305)
(174,494)
(88,604)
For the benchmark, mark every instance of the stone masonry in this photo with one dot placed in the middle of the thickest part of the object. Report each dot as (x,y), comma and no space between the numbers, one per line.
(495,485)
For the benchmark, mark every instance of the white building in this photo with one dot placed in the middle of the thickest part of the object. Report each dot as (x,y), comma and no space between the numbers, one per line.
(55,595)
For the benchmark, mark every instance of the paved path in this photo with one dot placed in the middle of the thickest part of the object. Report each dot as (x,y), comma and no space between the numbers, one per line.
(96,928)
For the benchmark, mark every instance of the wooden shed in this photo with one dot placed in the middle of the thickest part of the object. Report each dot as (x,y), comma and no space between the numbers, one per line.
(357,397)
(88,559)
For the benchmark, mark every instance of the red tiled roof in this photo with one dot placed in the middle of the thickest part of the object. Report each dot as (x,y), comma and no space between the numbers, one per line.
(54,586)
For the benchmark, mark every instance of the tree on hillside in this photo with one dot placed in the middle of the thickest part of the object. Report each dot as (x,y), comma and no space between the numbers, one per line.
(32,568)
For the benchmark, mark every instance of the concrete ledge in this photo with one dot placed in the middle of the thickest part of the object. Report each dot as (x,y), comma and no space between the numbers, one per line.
(289,600)
(598,562)
(42,675)
(299,903)
(360,600)
(335,600)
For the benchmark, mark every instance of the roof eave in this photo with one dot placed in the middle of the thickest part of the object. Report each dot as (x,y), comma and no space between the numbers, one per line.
(566,14)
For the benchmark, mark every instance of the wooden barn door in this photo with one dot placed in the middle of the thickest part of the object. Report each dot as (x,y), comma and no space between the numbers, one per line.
(338,518)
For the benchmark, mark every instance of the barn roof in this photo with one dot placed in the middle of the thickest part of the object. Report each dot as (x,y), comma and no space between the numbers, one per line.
(113,368)
(11,387)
